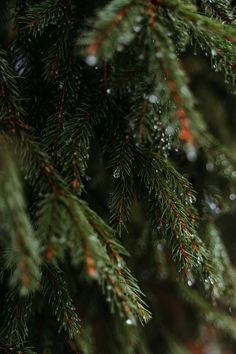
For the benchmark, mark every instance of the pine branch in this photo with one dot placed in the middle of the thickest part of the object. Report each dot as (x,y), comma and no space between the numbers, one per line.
(39,16)
(86,341)
(225,284)
(75,142)
(116,279)
(190,122)
(220,10)
(171,209)
(14,320)
(72,218)
(22,256)
(9,349)
(120,160)
(221,160)
(211,314)
(34,160)
(190,14)
(9,92)
(52,226)
(60,301)
(92,251)
(113,31)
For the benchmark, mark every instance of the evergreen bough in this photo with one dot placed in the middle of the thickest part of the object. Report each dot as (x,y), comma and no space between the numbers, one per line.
(96,118)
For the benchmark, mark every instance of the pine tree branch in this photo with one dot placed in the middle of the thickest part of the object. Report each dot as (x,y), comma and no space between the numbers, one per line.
(120,160)
(9,92)
(60,301)
(22,257)
(175,213)
(211,314)
(14,329)
(113,30)
(41,15)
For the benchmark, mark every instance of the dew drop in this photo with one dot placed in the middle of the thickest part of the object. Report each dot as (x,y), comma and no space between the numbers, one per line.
(139,19)
(141,56)
(199,260)
(116,173)
(152,99)
(158,55)
(209,166)
(125,39)
(137,28)
(169,130)
(191,153)
(213,52)
(91,60)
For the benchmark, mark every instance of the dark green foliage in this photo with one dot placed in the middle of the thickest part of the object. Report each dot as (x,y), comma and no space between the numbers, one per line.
(175,217)
(22,257)
(62,306)
(14,326)
(100,138)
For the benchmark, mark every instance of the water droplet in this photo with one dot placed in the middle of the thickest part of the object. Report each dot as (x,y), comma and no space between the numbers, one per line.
(137,28)
(199,260)
(91,60)
(139,18)
(192,199)
(92,237)
(210,166)
(169,130)
(184,90)
(158,55)
(191,153)
(213,52)
(125,38)
(232,196)
(129,322)
(152,99)
(141,57)
(68,141)
(116,173)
